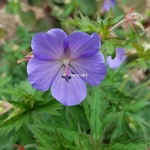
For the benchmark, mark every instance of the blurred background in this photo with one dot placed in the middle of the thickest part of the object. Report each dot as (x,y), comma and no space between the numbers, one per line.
(21,19)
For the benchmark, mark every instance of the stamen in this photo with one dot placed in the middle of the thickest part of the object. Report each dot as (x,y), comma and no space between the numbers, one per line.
(67,74)
(72,72)
(68,71)
(66,77)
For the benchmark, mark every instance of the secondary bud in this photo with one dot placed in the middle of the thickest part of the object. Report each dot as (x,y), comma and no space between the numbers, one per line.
(134,18)
(4,107)
(26,58)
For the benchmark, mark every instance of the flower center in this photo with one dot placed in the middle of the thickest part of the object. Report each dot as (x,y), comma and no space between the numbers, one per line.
(66,62)
(68,71)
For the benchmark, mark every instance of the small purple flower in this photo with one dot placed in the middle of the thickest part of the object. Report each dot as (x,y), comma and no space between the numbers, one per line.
(117,61)
(108,4)
(65,63)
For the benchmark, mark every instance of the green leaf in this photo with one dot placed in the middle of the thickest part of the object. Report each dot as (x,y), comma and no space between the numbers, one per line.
(13,6)
(51,107)
(4,81)
(129,146)
(94,107)
(136,106)
(67,10)
(120,127)
(85,24)
(86,142)
(28,18)
(6,143)
(18,104)
(19,91)
(53,136)
(42,24)
(14,123)
(117,19)
(116,96)
(109,48)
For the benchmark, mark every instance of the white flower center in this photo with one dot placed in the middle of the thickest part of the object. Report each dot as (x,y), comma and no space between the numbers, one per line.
(65,62)
(67,70)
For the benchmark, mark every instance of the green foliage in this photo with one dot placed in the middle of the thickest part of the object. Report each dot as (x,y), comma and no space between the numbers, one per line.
(69,131)
(26,103)
(113,116)
(143,56)
(95,111)
(128,146)
(89,8)
(28,18)
(13,6)
(103,28)
(35,2)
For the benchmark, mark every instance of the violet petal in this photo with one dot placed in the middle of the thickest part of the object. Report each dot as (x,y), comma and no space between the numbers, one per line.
(68,93)
(41,73)
(108,4)
(82,45)
(91,69)
(48,46)
(117,61)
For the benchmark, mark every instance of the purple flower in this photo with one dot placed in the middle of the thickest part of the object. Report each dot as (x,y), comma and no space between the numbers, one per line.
(108,4)
(117,61)
(65,63)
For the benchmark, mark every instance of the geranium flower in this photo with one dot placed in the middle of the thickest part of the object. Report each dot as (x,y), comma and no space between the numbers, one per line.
(108,4)
(65,63)
(118,60)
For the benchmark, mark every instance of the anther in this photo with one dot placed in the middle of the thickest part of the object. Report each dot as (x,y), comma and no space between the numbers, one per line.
(66,77)
(72,72)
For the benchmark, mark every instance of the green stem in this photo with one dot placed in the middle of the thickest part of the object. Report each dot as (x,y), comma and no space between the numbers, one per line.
(30,145)
(126,80)
(139,87)
(146,97)
(117,25)
(115,72)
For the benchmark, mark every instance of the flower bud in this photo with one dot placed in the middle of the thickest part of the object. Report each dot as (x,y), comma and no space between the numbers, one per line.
(134,18)
(4,107)
(26,58)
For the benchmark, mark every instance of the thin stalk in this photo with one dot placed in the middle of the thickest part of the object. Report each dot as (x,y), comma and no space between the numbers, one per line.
(117,25)
(139,87)
(146,97)
(126,80)
(30,145)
